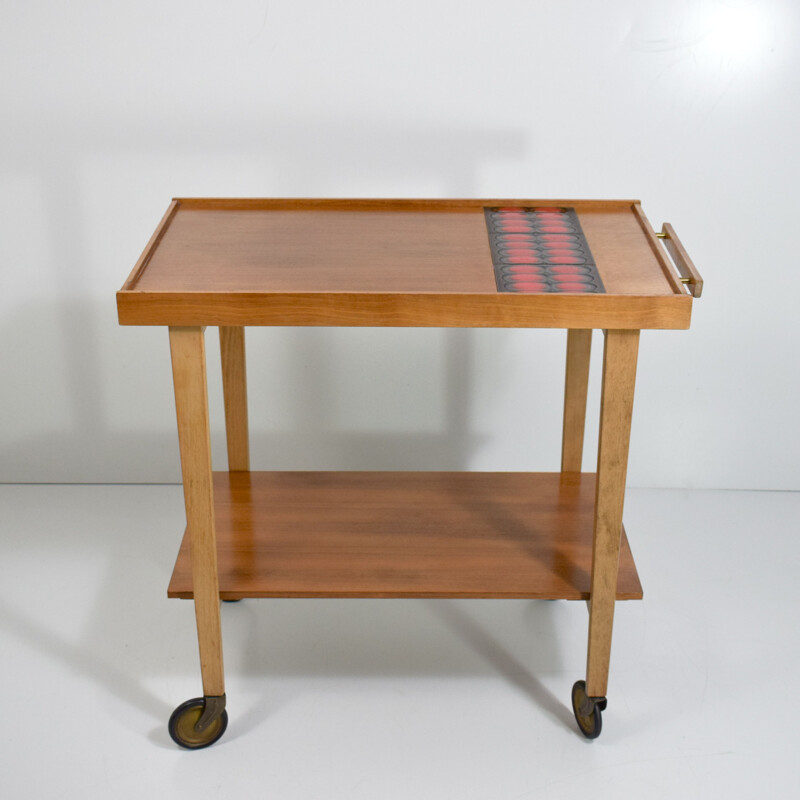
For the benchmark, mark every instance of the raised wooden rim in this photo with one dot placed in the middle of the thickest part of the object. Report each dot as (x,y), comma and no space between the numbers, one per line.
(388,309)
(376,203)
(148,251)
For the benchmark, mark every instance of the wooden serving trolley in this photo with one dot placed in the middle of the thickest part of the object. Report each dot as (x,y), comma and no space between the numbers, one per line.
(568,264)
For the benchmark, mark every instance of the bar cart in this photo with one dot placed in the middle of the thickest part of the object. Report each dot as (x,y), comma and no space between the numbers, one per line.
(573,264)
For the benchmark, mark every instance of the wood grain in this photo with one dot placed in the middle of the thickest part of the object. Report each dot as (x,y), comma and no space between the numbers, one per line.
(391,203)
(381,262)
(453,310)
(150,248)
(302,250)
(404,534)
(576,384)
(616,409)
(234,387)
(191,401)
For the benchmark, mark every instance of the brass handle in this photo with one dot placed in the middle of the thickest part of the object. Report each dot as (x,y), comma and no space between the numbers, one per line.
(690,277)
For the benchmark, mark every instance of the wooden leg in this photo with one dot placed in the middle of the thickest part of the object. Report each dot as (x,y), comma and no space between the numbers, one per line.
(234,386)
(579,349)
(191,400)
(616,408)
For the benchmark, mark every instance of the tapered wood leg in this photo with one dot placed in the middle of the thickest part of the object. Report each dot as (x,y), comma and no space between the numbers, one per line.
(191,401)
(616,408)
(579,349)
(234,386)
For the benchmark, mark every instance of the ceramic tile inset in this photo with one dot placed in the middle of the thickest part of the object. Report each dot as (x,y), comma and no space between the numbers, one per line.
(541,250)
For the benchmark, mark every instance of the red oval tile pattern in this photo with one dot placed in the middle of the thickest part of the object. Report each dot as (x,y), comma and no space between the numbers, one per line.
(540,249)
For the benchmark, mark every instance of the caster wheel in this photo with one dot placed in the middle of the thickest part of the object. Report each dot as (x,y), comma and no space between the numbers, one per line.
(587,711)
(182,725)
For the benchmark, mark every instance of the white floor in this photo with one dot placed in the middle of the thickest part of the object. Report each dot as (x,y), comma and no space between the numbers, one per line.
(397,699)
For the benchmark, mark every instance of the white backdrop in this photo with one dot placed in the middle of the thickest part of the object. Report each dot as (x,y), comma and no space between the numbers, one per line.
(111,109)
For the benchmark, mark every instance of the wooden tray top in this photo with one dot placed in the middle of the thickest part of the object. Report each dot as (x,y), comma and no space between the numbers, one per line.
(392,263)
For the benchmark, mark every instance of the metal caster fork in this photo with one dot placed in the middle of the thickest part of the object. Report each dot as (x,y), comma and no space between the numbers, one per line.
(198,722)
(587,710)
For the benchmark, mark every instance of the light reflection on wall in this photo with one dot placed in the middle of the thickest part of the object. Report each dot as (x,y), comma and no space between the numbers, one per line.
(735,31)
(707,50)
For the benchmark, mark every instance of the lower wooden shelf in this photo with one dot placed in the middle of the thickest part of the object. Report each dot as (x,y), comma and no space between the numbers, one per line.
(404,534)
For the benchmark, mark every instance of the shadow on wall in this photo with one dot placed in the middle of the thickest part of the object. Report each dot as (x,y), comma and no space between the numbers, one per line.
(72,383)
(75,441)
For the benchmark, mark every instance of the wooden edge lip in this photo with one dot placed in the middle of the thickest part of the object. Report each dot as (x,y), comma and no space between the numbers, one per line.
(377,203)
(658,252)
(148,251)
(174,594)
(356,309)
(684,263)
(636,592)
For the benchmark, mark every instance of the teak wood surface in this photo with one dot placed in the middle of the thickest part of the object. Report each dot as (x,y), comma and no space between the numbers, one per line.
(576,386)
(234,389)
(384,263)
(620,355)
(404,534)
(187,347)
(233,263)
